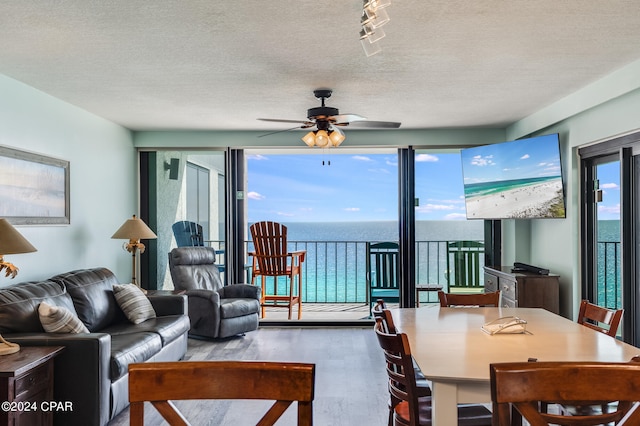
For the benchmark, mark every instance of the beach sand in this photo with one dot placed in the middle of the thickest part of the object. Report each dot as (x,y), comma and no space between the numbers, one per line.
(525,202)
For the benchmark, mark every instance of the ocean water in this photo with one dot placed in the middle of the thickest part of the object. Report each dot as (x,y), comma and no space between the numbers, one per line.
(494,187)
(335,265)
(609,266)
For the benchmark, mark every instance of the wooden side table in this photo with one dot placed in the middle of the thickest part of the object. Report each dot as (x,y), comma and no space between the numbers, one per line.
(26,386)
(426,287)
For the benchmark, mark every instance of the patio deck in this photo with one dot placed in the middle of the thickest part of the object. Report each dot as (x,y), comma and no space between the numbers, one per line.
(327,312)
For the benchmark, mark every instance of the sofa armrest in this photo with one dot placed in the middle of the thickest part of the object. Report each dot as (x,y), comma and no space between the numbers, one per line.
(240,291)
(174,304)
(81,374)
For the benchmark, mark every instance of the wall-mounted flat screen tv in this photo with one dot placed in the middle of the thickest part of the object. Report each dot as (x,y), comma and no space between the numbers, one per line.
(519,179)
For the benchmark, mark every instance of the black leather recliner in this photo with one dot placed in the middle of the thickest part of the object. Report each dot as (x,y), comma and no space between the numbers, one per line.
(215,310)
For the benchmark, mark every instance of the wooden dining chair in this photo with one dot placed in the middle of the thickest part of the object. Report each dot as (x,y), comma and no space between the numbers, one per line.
(271,258)
(469,299)
(523,385)
(409,409)
(423,386)
(600,319)
(163,382)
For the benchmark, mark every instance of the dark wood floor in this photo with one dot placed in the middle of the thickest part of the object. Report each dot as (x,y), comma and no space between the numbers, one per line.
(350,378)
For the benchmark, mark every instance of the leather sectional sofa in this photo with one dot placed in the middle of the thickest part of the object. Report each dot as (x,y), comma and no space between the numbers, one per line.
(92,371)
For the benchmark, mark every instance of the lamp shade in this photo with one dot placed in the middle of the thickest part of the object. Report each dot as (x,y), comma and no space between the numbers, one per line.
(12,241)
(134,229)
(310,139)
(336,137)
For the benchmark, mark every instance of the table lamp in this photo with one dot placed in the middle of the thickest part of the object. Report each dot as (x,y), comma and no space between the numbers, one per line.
(134,230)
(11,242)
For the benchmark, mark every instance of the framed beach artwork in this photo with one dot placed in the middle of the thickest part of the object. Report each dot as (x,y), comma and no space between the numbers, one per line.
(34,189)
(520,179)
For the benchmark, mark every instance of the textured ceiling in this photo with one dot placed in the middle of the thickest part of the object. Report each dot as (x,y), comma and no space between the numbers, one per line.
(203,64)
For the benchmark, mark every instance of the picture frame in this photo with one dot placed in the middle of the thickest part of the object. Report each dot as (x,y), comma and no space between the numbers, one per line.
(34,189)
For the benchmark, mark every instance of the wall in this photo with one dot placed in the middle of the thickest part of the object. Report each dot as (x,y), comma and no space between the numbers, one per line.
(555,244)
(103,187)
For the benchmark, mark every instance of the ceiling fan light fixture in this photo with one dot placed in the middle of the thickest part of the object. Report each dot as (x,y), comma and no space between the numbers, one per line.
(372,34)
(377,17)
(322,138)
(376,4)
(336,137)
(370,49)
(309,139)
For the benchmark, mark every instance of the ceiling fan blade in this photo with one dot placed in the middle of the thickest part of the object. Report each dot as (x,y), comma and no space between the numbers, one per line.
(376,124)
(346,118)
(277,120)
(284,130)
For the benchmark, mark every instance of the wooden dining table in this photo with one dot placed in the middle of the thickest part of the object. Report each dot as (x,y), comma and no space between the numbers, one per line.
(455,353)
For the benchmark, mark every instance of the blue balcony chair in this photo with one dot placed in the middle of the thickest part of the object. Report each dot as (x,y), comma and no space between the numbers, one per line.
(188,234)
(383,275)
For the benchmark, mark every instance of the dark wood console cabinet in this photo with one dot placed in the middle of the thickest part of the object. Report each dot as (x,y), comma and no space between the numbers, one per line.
(26,386)
(523,289)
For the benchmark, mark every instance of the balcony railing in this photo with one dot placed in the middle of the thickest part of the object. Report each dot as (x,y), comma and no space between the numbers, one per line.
(609,285)
(335,271)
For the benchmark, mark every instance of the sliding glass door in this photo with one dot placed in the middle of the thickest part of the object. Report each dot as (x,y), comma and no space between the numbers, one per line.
(610,228)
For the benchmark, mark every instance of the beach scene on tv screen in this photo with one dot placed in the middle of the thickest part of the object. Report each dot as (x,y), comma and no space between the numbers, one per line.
(511,180)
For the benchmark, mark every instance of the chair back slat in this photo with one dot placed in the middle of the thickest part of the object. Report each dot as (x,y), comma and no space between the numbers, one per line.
(524,385)
(469,299)
(162,382)
(599,318)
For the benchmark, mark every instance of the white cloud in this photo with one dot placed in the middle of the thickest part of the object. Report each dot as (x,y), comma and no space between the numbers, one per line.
(609,186)
(455,216)
(428,208)
(362,158)
(384,171)
(352,209)
(524,157)
(252,195)
(481,161)
(285,214)
(609,209)
(258,157)
(422,158)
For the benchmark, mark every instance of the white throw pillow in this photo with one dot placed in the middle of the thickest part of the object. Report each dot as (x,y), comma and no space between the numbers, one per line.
(133,302)
(58,319)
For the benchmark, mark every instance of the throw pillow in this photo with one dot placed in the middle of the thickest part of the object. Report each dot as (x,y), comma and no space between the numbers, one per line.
(58,319)
(133,302)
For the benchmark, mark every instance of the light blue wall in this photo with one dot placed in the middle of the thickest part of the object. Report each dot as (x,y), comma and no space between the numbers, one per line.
(593,114)
(103,186)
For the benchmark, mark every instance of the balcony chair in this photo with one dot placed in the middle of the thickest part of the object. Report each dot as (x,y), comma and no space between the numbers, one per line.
(409,409)
(382,273)
(600,319)
(464,265)
(188,234)
(517,390)
(215,310)
(271,258)
(160,383)
(469,299)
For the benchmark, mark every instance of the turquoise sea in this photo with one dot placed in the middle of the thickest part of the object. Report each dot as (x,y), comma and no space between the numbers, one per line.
(495,187)
(608,272)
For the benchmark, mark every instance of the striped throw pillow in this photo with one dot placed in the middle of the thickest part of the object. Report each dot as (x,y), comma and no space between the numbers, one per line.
(58,319)
(133,302)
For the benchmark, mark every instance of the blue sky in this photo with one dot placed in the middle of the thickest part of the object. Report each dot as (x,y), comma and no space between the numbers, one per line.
(609,177)
(362,187)
(527,158)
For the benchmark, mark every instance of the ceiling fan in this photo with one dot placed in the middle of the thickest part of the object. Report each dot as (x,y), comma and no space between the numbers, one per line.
(327,120)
